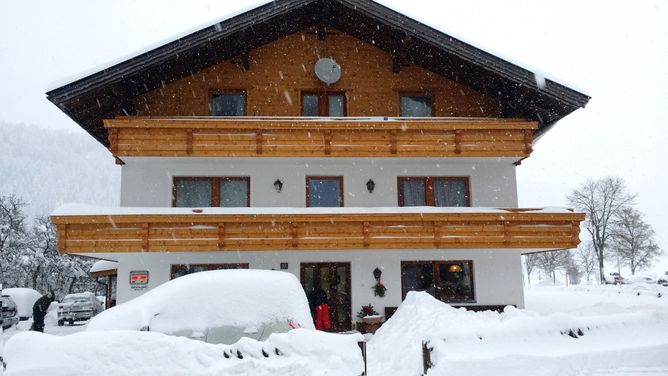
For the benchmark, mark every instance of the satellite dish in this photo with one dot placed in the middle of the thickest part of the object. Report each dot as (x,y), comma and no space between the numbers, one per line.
(327,70)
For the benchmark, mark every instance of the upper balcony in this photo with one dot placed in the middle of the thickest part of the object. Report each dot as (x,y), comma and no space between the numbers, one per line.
(108,230)
(319,137)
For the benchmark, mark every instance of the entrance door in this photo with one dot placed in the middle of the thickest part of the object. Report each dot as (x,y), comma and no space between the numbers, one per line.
(334,279)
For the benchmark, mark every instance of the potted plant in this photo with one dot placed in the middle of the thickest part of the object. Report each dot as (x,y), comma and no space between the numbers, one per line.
(369,315)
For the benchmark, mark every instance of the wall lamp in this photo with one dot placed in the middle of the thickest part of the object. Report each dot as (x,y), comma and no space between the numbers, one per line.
(278,185)
(370,186)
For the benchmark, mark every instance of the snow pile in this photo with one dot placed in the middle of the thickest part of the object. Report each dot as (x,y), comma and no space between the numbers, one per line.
(193,304)
(463,340)
(103,266)
(24,298)
(298,352)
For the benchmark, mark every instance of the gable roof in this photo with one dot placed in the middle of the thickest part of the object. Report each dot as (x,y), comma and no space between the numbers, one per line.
(110,92)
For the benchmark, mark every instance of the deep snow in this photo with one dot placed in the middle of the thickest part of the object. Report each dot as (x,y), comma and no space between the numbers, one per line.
(624,331)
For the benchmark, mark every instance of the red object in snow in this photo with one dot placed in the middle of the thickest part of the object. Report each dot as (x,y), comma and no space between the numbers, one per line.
(322,317)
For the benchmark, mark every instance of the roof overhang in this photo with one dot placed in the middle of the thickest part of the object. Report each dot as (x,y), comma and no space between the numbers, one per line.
(110,92)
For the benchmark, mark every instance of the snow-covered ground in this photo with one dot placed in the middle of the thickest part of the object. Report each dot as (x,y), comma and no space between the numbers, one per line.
(575,330)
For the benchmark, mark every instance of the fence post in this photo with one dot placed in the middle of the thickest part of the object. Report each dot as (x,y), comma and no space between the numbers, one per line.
(426,357)
(362,345)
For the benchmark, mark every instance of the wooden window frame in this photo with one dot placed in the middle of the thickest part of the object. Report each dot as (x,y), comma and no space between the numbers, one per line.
(434,264)
(417,94)
(213,266)
(214,92)
(429,187)
(323,101)
(317,177)
(215,187)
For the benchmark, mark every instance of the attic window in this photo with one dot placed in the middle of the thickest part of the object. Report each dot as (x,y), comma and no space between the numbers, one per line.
(228,103)
(416,105)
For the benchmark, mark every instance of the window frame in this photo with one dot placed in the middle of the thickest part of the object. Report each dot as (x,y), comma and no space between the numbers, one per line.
(214,92)
(417,94)
(323,102)
(214,266)
(215,187)
(430,200)
(319,177)
(436,277)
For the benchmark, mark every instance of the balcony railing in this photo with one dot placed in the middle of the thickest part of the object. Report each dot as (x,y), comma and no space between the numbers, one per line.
(252,229)
(319,137)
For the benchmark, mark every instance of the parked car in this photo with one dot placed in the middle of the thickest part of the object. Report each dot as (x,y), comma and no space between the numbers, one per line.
(662,281)
(218,306)
(615,279)
(78,307)
(9,312)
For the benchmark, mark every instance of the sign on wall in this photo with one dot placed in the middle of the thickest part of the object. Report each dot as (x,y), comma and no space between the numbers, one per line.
(138,279)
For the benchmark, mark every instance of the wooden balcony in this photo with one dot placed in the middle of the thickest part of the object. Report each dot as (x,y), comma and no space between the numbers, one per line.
(319,137)
(251,229)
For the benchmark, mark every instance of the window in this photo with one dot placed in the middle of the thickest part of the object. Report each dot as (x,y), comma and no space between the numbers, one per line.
(434,191)
(324,191)
(182,269)
(228,103)
(228,192)
(416,105)
(323,104)
(447,281)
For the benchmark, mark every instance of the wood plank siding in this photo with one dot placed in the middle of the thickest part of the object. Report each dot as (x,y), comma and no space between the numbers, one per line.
(320,137)
(280,71)
(513,228)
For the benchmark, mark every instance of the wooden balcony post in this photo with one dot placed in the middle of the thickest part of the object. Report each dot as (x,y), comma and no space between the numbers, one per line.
(365,234)
(528,140)
(506,233)
(458,141)
(393,142)
(62,237)
(295,234)
(221,236)
(437,234)
(144,241)
(328,142)
(113,141)
(189,141)
(258,142)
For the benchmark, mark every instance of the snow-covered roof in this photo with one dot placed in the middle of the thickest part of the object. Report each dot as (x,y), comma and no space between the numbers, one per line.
(108,91)
(84,209)
(103,266)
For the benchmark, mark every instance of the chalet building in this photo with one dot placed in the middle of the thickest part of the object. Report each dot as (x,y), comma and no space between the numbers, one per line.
(337,140)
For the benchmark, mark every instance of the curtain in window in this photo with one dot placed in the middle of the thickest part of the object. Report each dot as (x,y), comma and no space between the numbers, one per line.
(415,106)
(336,106)
(193,193)
(228,105)
(413,192)
(450,193)
(324,193)
(233,193)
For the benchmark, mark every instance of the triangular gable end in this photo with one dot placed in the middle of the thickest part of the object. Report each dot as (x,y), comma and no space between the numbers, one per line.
(112,91)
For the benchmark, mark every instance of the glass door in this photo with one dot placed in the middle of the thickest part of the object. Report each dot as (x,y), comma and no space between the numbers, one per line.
(329,283)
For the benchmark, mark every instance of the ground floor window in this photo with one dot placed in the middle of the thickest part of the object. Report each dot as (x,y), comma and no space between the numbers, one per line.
(179,270)
(448,281)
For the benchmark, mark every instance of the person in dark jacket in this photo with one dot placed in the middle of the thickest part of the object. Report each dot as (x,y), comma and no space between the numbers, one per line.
(39,311)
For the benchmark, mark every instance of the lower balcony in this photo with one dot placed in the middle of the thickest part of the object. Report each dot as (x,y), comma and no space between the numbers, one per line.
(86,229)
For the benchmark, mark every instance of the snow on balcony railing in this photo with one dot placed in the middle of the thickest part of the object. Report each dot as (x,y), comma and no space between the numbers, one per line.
(89,229)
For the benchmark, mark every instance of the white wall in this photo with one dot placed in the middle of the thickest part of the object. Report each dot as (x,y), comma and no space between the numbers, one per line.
(497,272)
(148,181)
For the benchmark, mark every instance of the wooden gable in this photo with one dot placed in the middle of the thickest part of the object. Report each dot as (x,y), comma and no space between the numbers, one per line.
(280,71)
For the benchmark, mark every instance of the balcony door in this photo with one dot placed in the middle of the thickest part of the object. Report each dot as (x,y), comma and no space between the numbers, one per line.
(334,280)
(324,104)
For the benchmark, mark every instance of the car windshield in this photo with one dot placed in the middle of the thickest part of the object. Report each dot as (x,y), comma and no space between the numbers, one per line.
(75,300)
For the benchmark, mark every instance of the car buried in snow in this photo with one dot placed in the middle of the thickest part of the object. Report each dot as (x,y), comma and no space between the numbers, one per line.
(9,312)
(78,307)
(219,306)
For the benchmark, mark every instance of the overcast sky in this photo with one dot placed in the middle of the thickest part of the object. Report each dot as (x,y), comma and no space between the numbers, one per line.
(614,51)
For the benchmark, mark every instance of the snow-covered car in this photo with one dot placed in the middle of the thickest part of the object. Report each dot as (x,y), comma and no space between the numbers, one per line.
(662,281)
(24,298)
(614,279)
(78,307)
(219,306)
(9,312)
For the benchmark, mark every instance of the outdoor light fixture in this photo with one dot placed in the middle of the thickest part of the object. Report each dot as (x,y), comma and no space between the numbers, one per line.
(278,185)
(377,273)
(370,185)
(454,268)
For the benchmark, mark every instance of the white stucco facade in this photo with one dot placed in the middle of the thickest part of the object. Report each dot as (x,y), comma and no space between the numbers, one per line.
(497,273)
(149,181)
